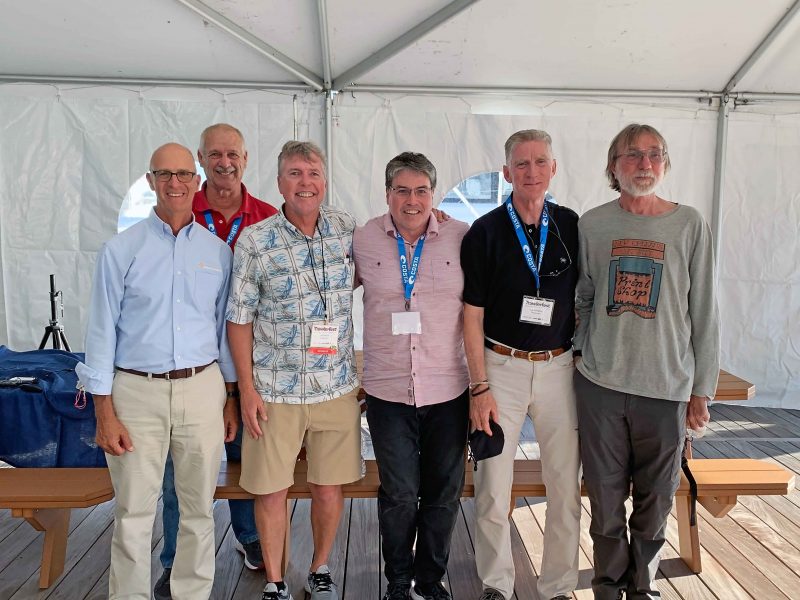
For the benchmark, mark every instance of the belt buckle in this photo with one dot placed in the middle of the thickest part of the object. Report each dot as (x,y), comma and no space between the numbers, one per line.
(166,375)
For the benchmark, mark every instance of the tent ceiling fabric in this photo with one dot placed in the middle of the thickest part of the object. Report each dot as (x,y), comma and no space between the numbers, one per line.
(604,44)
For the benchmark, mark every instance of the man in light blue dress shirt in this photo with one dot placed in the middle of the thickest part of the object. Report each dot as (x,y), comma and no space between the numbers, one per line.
(158,364)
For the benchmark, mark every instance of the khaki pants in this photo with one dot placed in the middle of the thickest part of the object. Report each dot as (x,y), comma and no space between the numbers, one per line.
(184,417)
(544,390)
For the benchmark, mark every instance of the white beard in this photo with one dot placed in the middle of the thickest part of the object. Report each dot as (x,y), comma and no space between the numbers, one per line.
(636,189)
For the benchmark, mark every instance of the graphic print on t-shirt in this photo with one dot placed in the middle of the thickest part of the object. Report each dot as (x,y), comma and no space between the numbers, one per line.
(634,277)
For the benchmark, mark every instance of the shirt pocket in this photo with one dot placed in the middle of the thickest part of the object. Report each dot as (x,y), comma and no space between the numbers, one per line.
(448,278)
(206,288)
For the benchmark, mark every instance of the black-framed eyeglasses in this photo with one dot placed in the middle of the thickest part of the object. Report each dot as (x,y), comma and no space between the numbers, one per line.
(633,157)
(404,193)
(163,175)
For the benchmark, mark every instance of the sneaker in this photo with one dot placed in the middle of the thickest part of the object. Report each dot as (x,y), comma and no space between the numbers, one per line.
(273,592)
(321,586)
(397,591)
(161,589)
(253,559)
(491,594)
(430,591)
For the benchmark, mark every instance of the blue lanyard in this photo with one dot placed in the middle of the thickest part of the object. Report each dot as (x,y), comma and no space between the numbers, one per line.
(519,229)
(234,228)
(409,275)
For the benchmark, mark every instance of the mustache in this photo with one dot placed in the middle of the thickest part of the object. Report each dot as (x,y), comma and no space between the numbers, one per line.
(645,173)
(224,171)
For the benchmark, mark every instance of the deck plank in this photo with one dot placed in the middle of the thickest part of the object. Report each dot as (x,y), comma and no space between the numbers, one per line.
(752,552)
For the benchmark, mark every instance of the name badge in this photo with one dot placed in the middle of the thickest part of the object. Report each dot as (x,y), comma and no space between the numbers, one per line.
(406,322)
(324,338)
(538,311)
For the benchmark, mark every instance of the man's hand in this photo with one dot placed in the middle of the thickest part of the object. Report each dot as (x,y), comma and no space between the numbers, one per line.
(253,409)
(481,409)
(440,215)
(697,415)
(230,417)
(111,435)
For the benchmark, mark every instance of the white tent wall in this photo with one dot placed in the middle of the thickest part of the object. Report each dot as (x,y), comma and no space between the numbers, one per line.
(759,277)
(68,158)
(759,295)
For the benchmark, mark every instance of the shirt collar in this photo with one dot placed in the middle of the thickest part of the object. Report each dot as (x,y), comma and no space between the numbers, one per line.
(324,222)
(391,230)
(162,228)
(201,200)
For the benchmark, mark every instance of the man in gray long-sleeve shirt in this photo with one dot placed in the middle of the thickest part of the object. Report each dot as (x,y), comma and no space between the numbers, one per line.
(649,338)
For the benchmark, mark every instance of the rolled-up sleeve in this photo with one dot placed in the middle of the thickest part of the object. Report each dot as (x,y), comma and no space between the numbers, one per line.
(96,374)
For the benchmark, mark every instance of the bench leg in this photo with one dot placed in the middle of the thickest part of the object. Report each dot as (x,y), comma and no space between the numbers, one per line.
(55,524)
(688,534)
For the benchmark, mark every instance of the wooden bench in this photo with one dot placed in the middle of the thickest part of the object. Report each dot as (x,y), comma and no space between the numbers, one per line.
(44,497)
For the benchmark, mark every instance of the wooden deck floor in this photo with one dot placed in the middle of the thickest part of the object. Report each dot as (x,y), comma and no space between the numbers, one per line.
(754,552)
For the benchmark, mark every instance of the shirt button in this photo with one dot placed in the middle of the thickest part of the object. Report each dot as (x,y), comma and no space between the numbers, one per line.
(179,272)
(221,221)
(178,328)
(178,301)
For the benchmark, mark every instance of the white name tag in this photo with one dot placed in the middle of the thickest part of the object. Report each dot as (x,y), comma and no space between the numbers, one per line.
(406,322)
(538,311)
(324,338)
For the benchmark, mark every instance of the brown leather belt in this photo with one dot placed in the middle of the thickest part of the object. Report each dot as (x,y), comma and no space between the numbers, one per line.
(534,356)
(176,374)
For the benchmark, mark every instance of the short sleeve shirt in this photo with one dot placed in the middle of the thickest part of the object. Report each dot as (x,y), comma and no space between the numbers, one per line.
(283,282)
(496,277)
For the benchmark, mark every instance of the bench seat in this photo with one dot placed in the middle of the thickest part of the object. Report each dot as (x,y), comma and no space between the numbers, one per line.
(44,497)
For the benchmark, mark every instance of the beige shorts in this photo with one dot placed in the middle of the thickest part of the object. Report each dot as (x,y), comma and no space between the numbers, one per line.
(332,434)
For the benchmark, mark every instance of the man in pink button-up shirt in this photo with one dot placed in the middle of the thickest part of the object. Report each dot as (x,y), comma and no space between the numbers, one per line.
(415,375)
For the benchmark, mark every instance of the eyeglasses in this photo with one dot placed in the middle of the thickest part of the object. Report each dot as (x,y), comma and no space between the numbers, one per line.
(404,193)
(164,176)
(633,157)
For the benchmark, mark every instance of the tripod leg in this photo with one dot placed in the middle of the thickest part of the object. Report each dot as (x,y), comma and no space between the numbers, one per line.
(64,340)
(44,339)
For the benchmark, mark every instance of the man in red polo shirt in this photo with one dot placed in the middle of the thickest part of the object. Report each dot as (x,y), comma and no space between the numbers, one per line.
(224,207)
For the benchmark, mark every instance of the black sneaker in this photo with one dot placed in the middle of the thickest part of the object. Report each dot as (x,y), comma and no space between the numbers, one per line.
(491,594)
(253,559)
(161,589)
(273,592)
(397,591)
(430,591)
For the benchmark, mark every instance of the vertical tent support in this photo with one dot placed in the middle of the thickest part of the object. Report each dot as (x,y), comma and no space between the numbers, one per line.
(719,175)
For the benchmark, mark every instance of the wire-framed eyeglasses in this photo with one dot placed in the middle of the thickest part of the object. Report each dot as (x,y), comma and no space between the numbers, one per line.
(404,193)
(634,157)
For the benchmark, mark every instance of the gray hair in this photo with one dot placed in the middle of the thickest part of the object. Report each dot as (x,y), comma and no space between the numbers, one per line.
(308,150)
(626,138)
(410,161)
(215,127)
(526,135)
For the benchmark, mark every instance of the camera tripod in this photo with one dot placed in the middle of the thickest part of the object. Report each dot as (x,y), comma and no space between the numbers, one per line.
(55,328)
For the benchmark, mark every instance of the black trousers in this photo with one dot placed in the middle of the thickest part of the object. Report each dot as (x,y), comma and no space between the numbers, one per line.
(420,456)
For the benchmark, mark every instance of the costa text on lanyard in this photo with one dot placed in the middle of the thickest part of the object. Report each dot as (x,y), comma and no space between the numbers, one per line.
(534,265)
(409,274)
(234,228)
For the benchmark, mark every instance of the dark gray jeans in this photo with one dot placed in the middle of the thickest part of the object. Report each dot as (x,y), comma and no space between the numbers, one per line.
(627,439)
